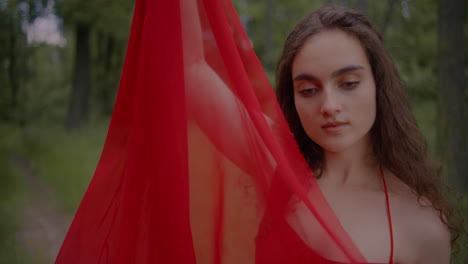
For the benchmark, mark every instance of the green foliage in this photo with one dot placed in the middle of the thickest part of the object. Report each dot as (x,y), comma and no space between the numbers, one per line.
(412,41)
(411,35)
(285,15)
(66,161)
(12,195)
(112,17)
(109,23)
(460,255)
(46,96)
(425,113)
(12,62)
(78,12)
(40,75)
(10,249)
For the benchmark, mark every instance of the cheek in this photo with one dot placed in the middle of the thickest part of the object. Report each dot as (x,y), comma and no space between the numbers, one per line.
(364,109)
(308,114)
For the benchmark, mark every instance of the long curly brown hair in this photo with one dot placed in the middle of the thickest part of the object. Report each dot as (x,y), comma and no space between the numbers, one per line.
(397,142)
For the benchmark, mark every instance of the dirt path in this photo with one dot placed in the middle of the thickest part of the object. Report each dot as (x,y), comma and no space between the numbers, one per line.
(44,223)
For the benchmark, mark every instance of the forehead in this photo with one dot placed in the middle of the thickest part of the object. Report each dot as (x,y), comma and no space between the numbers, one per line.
(328,51)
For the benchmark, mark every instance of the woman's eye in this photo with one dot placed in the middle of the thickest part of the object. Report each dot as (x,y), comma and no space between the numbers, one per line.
(308,91)
(349,85)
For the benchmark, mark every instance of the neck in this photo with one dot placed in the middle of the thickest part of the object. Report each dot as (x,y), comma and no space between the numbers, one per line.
(354,166)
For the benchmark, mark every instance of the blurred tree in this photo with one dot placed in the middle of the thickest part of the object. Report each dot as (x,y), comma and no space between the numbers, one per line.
(108,51)
(110,21)
(452,113)
(362,5)
(13,60)
(388,15)
(80,15)
(78,111)
(14,45)
(268,33)
(268,22)
(412,40)
(13,66)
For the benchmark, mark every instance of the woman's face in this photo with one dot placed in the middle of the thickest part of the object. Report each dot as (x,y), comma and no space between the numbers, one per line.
(334,90)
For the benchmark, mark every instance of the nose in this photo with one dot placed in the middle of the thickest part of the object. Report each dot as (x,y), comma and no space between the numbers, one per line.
(330,103)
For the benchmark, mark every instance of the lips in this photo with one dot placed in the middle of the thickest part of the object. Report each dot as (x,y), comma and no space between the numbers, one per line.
(334,127)
(334,124)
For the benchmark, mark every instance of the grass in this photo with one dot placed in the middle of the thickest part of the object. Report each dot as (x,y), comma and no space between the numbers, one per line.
(12,195)
(66,161)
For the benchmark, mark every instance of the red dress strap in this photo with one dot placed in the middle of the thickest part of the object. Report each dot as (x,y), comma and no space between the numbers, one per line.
(387,200)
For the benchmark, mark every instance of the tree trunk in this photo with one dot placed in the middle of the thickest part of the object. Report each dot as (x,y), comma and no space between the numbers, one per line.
(15,52)
(452,127)
(78,112)
(108,82)
(13,68)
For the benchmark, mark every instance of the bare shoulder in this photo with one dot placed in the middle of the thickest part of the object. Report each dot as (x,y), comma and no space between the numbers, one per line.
(419,227)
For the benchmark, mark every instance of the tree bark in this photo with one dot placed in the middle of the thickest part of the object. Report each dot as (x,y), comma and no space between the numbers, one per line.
(452,127)
(78,112)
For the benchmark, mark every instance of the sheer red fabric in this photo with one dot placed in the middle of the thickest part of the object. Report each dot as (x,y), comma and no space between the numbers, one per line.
(199,165)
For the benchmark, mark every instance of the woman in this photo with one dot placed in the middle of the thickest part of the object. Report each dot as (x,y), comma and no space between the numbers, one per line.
(200,166)
(345,103)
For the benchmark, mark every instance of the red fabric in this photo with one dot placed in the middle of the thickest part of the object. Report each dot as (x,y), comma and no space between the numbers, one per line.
(302,252)
(389,215)
(199,165)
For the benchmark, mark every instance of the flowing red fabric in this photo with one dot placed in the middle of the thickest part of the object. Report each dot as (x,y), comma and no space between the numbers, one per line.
(199,165)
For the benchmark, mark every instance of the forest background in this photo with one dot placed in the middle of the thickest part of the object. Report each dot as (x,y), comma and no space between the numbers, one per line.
(60,65)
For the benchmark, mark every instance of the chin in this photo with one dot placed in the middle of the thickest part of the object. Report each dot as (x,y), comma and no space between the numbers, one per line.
(336,146)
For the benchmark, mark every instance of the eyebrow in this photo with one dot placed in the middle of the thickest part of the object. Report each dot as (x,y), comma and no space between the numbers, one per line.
(309,77)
